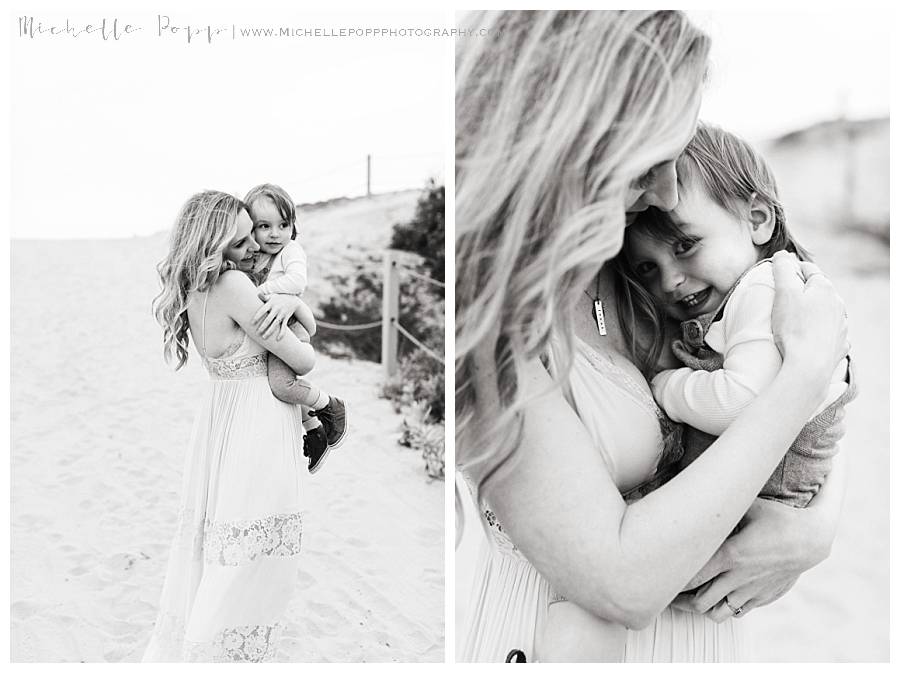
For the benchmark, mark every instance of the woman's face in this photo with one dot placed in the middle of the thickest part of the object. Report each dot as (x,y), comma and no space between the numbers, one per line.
(242,247)
(657,184)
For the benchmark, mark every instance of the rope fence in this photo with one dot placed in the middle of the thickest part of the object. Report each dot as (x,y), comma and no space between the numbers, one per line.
(390,318)
(348,328)
(421,276)
(426,349)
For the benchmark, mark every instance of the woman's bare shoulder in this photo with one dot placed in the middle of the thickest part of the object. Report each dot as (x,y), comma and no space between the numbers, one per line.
(233,281)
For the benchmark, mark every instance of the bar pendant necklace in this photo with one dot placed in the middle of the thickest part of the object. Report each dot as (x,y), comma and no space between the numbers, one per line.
(598,315)
(598,309)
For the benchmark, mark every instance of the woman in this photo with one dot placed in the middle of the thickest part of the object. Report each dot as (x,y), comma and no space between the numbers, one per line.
(235,556)
(565,120)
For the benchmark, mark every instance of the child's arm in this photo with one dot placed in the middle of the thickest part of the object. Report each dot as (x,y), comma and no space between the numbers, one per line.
(293,258)
(710,401)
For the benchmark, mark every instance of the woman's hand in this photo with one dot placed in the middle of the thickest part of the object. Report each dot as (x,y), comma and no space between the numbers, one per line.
(274,314)
(774,545)
(809,320)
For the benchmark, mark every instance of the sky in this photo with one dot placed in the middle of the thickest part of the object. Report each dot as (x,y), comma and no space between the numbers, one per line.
(109,137)
(775,72)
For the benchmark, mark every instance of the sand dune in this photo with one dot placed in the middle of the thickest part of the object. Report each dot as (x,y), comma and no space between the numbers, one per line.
(99,425)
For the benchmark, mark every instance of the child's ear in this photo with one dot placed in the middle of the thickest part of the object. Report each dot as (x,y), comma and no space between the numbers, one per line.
(762,221)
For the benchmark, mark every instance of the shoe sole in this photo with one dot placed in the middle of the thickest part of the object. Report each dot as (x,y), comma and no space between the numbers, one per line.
(346,428)
(313,470)
(329,447)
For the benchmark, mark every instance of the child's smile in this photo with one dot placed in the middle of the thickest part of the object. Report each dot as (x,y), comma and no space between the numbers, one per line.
(692,274)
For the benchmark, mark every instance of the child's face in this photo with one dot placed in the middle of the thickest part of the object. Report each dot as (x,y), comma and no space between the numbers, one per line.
(269,229)
(692,275)
(242,247)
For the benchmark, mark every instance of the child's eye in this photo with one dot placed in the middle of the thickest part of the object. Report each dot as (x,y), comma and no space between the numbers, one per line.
(644,268)
(684,245)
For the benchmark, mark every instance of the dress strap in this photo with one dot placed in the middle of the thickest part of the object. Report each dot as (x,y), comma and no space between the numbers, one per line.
(203,324)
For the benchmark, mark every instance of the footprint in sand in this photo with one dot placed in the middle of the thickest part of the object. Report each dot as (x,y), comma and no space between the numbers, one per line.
(116,654)
(23,609)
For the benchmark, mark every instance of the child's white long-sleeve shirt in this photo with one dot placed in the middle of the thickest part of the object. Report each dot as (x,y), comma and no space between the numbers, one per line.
(288,272)
(710,401)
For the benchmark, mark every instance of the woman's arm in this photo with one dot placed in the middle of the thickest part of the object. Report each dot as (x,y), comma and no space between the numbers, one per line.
(625,563)
(775,545)
(242,305)
(560,505)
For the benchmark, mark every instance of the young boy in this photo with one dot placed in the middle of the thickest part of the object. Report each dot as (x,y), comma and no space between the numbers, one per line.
(281,268)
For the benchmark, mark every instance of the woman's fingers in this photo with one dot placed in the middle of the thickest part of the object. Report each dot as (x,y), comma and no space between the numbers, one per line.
(787,271)
(711,594)
(726,609)
(720,562)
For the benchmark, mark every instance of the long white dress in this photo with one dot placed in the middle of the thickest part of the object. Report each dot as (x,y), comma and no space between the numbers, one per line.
(234,560)
(510,600)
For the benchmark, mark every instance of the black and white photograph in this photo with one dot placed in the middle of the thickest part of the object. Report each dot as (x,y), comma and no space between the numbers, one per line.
(228,335)
(672,389)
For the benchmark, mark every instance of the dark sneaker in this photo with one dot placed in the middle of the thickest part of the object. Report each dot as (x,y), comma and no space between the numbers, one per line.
(334,419)
(315,447)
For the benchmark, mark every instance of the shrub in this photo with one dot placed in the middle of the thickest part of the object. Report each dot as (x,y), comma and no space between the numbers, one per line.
(417,390)
(424,234)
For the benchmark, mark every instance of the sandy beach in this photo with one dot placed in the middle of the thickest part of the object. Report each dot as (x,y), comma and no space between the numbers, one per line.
(839,611)
(99,426)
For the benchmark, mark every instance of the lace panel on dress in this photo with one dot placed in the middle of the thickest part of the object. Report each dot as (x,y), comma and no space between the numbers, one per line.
(240,368)
(251,644)
(502,541)
(234,543)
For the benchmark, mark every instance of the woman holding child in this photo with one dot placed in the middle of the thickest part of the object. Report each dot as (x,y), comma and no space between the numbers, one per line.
(565,122)
(235,556)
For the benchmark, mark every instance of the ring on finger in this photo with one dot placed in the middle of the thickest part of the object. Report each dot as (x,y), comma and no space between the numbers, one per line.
(734,611)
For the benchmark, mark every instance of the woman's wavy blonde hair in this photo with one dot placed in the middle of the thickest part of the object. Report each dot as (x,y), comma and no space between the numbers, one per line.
(204,229)
(556,113)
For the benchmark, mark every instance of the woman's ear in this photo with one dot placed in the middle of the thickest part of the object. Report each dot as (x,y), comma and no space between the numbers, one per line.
(762,221)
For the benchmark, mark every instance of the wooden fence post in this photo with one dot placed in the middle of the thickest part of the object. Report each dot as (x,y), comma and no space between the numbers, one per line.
(390,314)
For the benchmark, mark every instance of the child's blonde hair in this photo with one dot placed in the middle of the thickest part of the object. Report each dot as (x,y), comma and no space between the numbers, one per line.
(203,230)
(733,174)
(284,204)
(556,112)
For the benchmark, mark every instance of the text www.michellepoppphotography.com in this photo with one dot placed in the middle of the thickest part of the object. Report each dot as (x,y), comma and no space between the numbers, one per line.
(164,27)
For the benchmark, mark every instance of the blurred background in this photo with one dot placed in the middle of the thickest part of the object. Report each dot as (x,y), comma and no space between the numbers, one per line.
(812,91)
